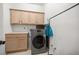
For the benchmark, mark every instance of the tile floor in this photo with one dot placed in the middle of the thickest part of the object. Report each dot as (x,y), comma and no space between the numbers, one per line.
(26,53)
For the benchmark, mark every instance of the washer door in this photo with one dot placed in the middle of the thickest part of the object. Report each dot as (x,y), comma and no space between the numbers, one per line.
(38,42)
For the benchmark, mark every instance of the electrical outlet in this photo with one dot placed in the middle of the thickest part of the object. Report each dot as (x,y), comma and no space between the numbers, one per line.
(51,45)
(24,27)
(55,48)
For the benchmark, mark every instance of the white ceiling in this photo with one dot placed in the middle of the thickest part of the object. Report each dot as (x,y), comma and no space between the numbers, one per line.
(42,4)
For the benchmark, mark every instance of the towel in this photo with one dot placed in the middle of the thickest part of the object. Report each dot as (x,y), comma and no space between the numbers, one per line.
(48,30)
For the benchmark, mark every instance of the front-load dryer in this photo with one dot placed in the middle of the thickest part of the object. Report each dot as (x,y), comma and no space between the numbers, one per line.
(38,41)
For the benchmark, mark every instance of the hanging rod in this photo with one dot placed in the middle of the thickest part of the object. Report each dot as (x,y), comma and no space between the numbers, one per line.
(63,11)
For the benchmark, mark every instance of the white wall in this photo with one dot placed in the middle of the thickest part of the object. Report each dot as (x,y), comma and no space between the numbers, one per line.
(27,6)
(2,47)
(1,18)
(66,30)
(21,6)
(52,9)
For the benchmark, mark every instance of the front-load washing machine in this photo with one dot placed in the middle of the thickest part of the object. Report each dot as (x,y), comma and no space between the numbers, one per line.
(38,41)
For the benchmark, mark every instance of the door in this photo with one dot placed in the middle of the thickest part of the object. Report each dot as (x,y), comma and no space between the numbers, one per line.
(25,17)
(15,16)
(40,18)
(32,18)
(22,43)
(11,44)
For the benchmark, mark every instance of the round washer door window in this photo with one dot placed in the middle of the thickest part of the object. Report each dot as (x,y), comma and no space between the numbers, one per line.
(38,42)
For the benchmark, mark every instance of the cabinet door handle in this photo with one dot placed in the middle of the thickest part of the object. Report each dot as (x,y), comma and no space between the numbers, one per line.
(19,21)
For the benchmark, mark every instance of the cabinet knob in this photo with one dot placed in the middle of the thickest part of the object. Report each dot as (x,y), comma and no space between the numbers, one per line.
(19,21)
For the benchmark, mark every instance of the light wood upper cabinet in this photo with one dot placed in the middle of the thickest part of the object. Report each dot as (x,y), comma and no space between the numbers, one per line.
(32,18)
(36,18)
(15,16)
(26,17)
(40,18)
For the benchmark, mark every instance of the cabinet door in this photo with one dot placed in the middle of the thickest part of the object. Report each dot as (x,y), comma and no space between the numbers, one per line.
(15,17)
(40,18)
(32,18)
(22,44)
(11,44)
(25,17)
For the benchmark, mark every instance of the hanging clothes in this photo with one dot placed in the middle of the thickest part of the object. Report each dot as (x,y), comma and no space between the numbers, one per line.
(48,30)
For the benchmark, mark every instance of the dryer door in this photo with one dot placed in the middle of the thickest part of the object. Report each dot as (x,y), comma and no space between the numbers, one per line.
(38,41)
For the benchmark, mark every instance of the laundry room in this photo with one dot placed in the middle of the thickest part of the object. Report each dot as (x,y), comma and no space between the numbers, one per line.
(39,28)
